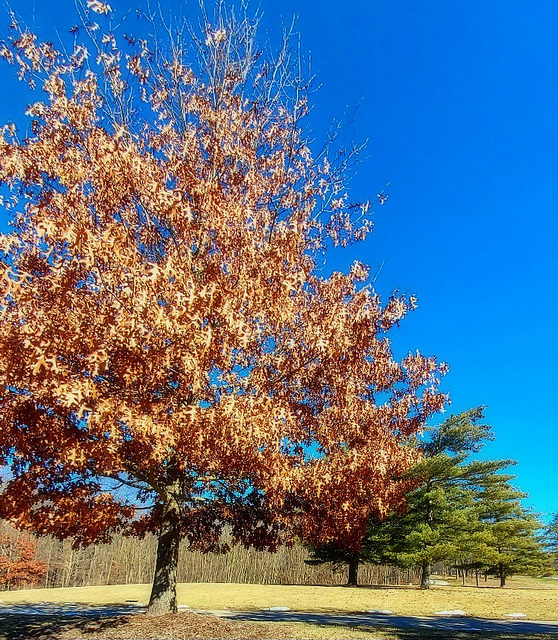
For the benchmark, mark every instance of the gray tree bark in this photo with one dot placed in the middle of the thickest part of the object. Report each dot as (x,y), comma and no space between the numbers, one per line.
(163,592)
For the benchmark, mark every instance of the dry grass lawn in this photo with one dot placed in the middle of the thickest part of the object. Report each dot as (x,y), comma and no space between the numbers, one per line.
(536,598)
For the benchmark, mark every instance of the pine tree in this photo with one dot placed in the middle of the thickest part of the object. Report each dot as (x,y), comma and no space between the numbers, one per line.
(441,521)
(551,538)
(511,533)
(461,511)
(374,549)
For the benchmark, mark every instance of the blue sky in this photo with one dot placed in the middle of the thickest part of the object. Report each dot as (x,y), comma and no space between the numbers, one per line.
(459,102)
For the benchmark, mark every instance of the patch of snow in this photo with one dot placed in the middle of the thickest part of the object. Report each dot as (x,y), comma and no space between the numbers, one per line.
(278,609)
(458,613)
(439,583)
(183,607)
(382,612)
(515,616)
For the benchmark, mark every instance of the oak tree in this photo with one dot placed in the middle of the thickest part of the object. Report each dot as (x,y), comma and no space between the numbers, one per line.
(173,360)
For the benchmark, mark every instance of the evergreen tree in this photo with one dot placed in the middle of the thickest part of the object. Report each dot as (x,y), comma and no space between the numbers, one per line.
(552,537)
(375,549)
(441,521)
(461,511)
(510,532)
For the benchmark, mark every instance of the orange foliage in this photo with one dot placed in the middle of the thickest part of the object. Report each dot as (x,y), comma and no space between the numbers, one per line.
(164,327)
(19,565)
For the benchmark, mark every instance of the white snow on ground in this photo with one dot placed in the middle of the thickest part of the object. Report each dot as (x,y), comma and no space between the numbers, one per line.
(458,613)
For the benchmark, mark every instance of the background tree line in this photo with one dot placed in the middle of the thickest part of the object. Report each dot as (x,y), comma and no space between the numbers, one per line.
(130,561)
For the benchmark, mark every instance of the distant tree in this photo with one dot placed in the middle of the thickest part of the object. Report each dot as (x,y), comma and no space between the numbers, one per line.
(439,507)
(173,361)
(551,533)
(512,537)
(461,511)
(374,549)
(19,563)
(441,521)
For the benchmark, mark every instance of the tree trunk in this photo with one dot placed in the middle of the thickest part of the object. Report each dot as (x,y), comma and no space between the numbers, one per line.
(425,575)
(163,592)
(353,571)
(502,575)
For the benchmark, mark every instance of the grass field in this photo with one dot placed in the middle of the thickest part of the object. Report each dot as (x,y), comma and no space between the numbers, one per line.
(536,598)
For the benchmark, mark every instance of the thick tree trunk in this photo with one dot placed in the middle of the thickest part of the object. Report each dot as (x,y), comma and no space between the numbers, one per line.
(163,592)
(353,571)
(425,575)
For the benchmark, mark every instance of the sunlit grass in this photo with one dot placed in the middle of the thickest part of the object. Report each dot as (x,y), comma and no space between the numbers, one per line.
(536,598)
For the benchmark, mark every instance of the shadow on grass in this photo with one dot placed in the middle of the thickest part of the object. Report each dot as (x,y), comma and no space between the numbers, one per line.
(50,627)
(412,627)
(15,626)
(431,634)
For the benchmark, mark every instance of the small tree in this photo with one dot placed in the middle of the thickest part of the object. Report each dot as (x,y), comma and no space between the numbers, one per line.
(375,548)
(19,563)
(172,359)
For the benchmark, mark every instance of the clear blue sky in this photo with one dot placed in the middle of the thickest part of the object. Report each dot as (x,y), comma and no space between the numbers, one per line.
(459,101)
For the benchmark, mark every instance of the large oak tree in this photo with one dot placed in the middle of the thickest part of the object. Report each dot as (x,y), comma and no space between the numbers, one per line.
(172,359)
